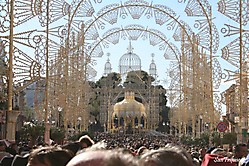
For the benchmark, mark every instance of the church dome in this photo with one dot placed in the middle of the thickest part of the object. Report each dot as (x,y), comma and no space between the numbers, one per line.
(129,62)
(129,107)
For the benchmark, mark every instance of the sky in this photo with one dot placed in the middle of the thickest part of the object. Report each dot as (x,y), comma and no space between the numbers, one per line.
(142,47)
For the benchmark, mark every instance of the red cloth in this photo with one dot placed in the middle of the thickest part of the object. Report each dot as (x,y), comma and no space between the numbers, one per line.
(217,160)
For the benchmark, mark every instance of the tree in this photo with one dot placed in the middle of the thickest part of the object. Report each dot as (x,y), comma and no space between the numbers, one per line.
(165,114)
(57,134)
(32,132)
(110,81)
(138,78)
(229,138)
(28,112)
(202,141)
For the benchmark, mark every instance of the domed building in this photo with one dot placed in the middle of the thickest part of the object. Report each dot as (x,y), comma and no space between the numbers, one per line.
(129,115)
(134,105)
(129,62)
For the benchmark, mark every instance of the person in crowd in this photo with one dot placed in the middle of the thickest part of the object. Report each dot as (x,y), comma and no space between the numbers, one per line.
(141,151)
(83,142)
(240,151)
(24,149)
(202,152)
(6,161)
(209,150)
(244,162)
(49,156)
(12,149)
(115,157)
(170,155)
(3,152)
(196,157)
(219,151)
(15,159)
(74,147)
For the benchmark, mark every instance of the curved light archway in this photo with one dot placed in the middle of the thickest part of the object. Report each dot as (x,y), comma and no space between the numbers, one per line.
(170,47)
(93,42)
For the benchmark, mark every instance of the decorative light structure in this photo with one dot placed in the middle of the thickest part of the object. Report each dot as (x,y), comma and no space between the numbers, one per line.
(236,54)
(83,38)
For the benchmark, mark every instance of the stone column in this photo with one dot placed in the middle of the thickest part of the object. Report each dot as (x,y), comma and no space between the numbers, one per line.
(47,133)
(11,124)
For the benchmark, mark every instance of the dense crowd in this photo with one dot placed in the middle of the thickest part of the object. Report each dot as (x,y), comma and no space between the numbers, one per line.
(105,149)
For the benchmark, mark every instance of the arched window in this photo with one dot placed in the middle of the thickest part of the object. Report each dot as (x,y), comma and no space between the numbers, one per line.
(121,121)
(142,122)
(115,121)
(136,121)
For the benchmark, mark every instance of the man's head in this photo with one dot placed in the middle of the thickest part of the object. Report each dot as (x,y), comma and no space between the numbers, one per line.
(103,158)
(171,155)
(2,146)
(86,141)
(49,156)
(240,151)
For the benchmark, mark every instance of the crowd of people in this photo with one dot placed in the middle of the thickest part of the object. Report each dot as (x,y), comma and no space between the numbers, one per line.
(105,149)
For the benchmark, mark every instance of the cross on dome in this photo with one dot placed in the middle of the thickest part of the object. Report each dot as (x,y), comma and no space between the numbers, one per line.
(130,48)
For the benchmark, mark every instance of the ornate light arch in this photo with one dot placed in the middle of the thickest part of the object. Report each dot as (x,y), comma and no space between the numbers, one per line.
(110,15)
(114,34)
(167,16)
(82,9)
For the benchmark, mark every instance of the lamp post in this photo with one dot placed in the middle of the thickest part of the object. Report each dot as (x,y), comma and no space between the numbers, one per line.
(168,127)
(164,126)
(59,116)
(79,119)
(206,127)
(200,124)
